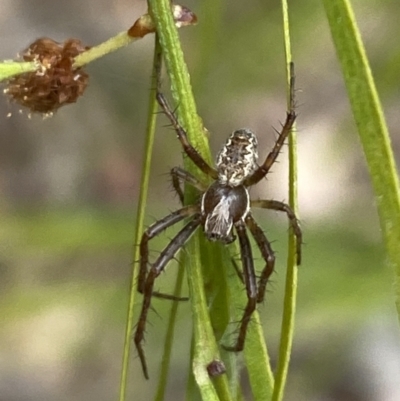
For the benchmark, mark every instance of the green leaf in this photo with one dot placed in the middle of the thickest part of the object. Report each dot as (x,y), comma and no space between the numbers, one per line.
(371,126)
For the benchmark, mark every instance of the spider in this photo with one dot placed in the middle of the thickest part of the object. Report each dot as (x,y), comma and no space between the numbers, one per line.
(225,207)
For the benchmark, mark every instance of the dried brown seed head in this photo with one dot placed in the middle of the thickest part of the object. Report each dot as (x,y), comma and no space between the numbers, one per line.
(56,83)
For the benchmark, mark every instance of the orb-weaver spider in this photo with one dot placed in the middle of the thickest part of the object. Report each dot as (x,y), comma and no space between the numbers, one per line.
(225,206)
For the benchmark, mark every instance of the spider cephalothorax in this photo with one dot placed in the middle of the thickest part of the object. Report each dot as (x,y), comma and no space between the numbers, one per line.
(225,208)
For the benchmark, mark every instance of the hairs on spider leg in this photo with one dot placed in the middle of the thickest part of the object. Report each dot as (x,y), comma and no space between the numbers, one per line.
(271,287)
(168,126)
(159,112)
(153,253)
(237,323)
(183,251)
(153,309)
(175,111)
(177,260)
(149,322)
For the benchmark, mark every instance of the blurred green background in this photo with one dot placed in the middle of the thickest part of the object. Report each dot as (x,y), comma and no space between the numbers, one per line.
(69,188)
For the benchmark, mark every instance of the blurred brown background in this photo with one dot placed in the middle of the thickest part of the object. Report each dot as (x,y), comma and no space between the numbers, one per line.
(69,187)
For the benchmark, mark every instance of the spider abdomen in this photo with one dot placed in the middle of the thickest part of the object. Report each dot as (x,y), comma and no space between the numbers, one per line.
(221,207)
(238,158)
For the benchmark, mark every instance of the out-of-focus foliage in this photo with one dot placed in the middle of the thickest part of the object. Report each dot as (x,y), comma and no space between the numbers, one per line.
(68,190)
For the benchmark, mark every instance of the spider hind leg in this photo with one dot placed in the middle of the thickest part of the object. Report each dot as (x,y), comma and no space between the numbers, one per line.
(147,277)
(250,281)
(266,252)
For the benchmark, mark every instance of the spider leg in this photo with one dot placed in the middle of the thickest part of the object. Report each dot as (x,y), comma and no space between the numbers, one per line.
(170,297)
(266,252)
(147,286)
(283,207)
(262,170)
(178,174)
(152,231)
(191,152)
(250,280)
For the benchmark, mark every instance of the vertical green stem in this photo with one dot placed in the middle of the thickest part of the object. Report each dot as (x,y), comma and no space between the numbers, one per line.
(144,185)
(287,327)
(162,384)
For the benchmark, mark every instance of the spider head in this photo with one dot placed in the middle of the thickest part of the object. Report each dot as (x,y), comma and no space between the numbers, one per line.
(238,158)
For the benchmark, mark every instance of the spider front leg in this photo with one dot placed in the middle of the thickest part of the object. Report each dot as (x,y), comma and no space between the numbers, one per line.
(146,283)
(283,207)
(178,174)
(250,281)
(266,252)
(191,152)
(263,170)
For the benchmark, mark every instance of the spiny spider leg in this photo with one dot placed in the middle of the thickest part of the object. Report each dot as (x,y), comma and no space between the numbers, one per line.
(262,170)
(192,153)
(147,286)
(154,230)
(250,280)
(283,207)
(178,174)
(266,252)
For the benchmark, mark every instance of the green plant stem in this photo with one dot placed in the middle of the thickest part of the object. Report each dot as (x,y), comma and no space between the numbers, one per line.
(371,126)
(9,69)
(162,383)
(289,305)
(257,361)
(116,42)
(144,185)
